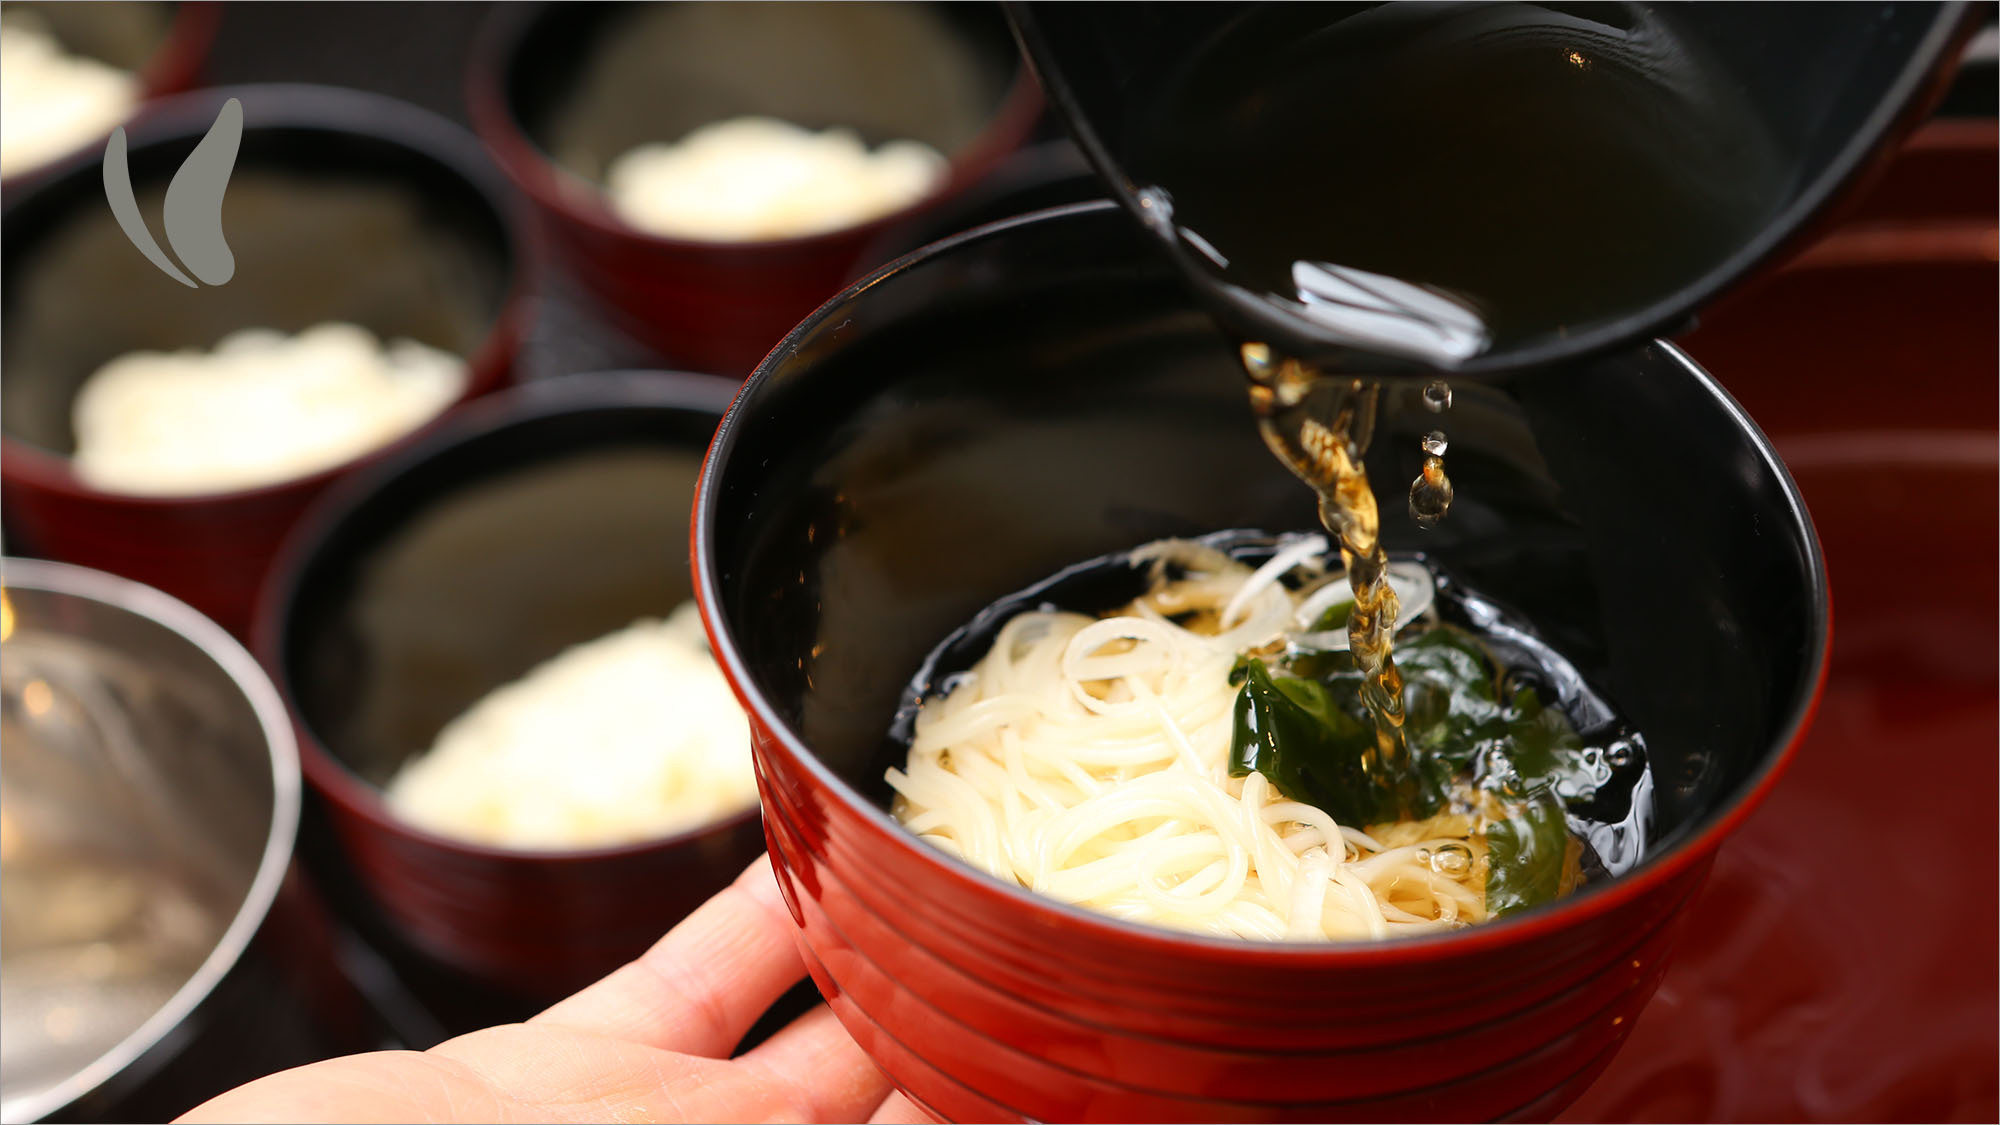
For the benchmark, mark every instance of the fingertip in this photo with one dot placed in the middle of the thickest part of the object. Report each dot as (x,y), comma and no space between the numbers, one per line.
(760,881)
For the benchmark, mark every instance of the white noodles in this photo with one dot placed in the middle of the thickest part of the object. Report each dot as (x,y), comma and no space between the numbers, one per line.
(1284,562)
(1087,759)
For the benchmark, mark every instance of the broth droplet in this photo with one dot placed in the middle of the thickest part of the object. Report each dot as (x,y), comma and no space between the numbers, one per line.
(1435,443)
(1257,361)
(1430,493)
(1620,754)
(1437,396)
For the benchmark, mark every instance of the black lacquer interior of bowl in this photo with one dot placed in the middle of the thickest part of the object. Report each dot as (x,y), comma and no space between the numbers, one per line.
(1822,86)
(326,221)
(461,567)
(1046,393)
(587,82)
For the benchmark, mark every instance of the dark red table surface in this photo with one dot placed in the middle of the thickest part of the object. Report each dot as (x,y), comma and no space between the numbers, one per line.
(1840,965)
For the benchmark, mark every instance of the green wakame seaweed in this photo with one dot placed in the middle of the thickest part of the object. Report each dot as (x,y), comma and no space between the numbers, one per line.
(1305,728)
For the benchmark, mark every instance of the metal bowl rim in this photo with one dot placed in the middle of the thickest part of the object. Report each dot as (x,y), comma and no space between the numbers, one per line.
(244,673)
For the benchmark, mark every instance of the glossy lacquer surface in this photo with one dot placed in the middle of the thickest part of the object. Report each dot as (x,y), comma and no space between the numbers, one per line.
(1044,392)
(1840,964)
(1217,125)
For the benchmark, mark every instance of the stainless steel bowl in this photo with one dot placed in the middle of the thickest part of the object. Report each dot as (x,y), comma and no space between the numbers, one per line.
(149,797)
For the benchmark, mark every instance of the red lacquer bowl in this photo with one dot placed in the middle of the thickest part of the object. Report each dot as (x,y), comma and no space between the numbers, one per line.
(179,62)
(558,91)
(519,529)
(1042,391)
(166,45)
(343,206)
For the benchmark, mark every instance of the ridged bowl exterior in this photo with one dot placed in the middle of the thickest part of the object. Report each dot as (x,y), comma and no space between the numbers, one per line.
(982,1017)
(984,1002)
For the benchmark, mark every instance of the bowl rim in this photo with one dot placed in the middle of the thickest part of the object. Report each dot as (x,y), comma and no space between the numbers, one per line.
(488,419)
(1901,111)
(334,109)
(558,190)
(1679,851)
(281,749)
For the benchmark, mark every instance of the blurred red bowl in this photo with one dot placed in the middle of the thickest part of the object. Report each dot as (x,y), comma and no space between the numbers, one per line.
(558,91)
(343,206)
(165,44)
(1043,391)
(180,61)
(521,528)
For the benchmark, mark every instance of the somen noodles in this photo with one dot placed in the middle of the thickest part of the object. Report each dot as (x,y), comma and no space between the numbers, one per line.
(1102,761)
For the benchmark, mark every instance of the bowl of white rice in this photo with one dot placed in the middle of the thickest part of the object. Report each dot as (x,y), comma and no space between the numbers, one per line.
(170,433)
(712,172)
(70,73)
(529,761)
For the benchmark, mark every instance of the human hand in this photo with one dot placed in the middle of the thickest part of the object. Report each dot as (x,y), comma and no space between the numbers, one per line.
(650,1042)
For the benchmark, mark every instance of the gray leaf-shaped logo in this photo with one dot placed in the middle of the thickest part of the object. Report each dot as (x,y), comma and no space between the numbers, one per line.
(192,213)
